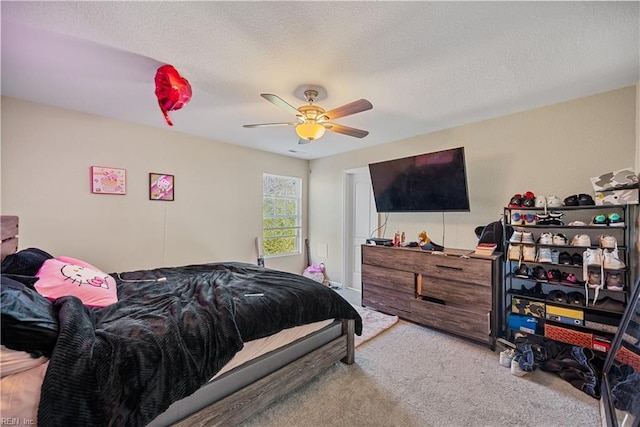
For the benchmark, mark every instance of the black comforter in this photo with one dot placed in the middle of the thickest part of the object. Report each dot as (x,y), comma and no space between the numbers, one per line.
(171,330)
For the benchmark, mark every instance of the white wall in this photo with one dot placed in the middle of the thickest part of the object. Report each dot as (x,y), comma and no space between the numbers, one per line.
(549,150)
(217,212)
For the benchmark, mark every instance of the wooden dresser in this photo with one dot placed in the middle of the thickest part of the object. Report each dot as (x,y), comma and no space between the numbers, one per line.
(454,291)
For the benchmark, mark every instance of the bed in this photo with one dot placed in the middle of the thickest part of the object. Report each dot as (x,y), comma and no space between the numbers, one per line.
(208,344)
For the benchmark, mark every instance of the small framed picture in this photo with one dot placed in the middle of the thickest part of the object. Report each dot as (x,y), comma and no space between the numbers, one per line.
(161,186)
(106,180)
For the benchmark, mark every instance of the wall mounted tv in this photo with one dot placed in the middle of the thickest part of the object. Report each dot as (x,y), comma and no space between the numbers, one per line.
(430,182)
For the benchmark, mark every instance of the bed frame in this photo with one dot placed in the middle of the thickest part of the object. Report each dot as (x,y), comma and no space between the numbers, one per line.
(249,388)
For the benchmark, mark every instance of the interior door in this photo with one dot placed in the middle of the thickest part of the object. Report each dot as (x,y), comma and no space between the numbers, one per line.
(362,220)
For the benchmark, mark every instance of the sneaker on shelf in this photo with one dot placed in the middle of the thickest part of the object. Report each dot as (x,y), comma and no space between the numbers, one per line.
(529,219)
(614,281)
(585,200)
(594,282)
(522,271)
(545,238)
(577,224)
(564,258)
(554,275)
(569,278)
(517,218)
(575,298)
(592,257)
(571,200)
(608,242)
(555,256)
(529,253)
(515,252)
(581,240)
(528,199)
(559,239)
(553,201)
(516,237)
(594,279)
(544,255)
(527,238)
(516,201)
(541,202)
(557,296)
(599,220)
(615,220)
(576,259)
(611,260)
(539,273)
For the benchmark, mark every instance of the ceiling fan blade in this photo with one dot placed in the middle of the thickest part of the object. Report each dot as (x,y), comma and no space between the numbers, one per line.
(276,100)
(358,133)
(261,125)
(348,109)
(303,141)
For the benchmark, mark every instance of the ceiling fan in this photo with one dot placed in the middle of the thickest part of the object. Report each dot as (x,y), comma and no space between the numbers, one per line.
(313,120)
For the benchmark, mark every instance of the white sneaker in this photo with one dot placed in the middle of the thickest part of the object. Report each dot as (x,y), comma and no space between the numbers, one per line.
(516,237)
(541,202)
(544,255)
(577,224)
(529,253)
(553,202)
(527,238)
(592,257)
(608,242)
(560,239)
(611,260)
(546,239)
(581,240)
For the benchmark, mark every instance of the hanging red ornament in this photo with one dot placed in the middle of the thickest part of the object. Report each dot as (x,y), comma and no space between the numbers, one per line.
(172,90)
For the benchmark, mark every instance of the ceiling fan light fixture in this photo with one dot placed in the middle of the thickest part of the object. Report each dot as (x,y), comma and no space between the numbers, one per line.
(310,131)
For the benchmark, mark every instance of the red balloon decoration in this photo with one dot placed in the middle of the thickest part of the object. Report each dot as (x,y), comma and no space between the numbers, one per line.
(172,90)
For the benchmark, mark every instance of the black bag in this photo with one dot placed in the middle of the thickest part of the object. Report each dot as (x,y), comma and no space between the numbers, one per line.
(493,233)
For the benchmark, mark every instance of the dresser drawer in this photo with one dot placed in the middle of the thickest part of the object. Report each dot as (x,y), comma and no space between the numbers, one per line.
(386,289)
(453,319)
(467,270)
(470,297)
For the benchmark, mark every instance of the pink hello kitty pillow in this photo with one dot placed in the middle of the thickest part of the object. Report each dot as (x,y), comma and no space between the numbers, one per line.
(62,276)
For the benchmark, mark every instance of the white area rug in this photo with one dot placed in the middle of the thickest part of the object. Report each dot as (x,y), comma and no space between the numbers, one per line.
(373,323)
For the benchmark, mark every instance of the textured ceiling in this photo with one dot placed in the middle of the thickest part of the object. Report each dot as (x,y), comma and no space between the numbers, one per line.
(424,66)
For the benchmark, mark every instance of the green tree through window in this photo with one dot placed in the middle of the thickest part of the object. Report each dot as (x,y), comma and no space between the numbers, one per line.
(281,215)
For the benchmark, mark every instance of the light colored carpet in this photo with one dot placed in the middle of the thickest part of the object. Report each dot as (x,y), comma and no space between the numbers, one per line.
(373,323)
(411,376)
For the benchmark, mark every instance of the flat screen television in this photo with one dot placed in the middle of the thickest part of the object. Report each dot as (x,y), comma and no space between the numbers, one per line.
(430,182)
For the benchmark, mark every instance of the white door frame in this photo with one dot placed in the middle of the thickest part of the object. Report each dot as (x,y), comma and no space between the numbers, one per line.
(347,225)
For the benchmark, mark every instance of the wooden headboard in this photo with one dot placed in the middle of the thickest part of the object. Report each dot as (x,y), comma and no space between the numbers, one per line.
(9,225)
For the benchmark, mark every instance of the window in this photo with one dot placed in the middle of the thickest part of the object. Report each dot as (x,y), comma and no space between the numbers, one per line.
(281,215)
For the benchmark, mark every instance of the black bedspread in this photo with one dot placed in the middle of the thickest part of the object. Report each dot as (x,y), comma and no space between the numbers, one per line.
(126,363)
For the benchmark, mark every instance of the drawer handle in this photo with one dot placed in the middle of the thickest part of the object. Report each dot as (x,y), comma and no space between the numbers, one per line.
(449,267)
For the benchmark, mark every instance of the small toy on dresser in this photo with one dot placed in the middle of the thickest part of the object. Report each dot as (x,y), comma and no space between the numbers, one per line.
(427,244)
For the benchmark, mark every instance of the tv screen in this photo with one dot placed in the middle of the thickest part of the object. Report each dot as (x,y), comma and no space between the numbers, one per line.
(430,182)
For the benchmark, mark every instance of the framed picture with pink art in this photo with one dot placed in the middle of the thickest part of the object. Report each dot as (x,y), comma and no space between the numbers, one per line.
(161,186)
(107,180)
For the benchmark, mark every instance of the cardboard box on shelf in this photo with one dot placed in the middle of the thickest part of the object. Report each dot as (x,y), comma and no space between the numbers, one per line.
(628,196)
(616,180)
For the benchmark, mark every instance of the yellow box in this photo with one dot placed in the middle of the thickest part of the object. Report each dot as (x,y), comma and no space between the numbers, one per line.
(565,312)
